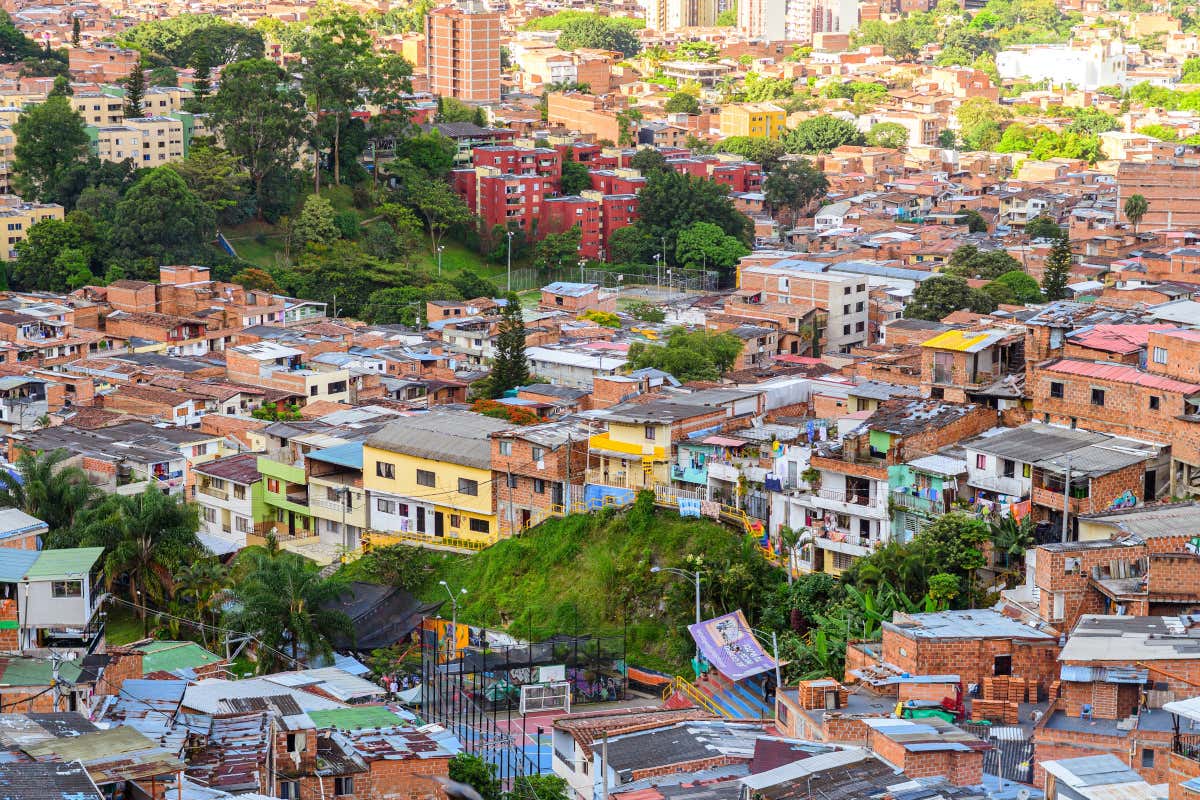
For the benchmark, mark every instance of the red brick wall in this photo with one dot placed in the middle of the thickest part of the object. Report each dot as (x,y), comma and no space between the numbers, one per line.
(971,659)
(961,769)
(1181,769)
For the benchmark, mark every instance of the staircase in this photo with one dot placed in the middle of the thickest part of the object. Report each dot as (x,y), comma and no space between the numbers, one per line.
(721,696)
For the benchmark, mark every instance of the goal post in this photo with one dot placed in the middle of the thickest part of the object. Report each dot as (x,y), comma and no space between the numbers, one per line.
(555,696)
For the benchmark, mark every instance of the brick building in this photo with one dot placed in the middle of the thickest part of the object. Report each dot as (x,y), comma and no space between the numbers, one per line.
(539,470)
(463,52)
(927,748)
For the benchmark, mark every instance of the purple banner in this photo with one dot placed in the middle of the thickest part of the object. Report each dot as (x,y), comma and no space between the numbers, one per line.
(729,645)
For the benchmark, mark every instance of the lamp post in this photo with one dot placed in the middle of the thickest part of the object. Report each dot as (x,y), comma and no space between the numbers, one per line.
(692,576)
(441,247)
(508,284)
(658,270)
(453,618)
(774,653)
(582,264)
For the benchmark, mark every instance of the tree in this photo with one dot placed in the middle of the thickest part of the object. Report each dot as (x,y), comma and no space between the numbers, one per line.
(941,295)
(161,221)
(671,201)
(539,787)
(1023,286)
(948,139)
(680,103)
(177,40)
(15,45)
(201,82)
(135,90)
(974,220)
(977,110)
(968,261)
(289,606)
(510,369)
(163,76)
(146,538)
(704,245)
(821,135)
(470,285)
(688,355)
(1012,538)
(1058,269)
(759,149)
(439,206)
(255,279)
(558,250)
(476,773)
(44,487)
(315,225)
(794,187)
(598,33)
(37,265)
(395,306)
(888,134)
(1135,208)
(218,178)
(76,30)
(50,140)
(647,160)
(199,593)
(432,152)
(1042,227)
(259,120)
(575,176)
(631,245)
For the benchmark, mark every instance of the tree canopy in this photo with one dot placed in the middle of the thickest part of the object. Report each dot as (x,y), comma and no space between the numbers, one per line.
(820,135)
(941,295)
(688,355)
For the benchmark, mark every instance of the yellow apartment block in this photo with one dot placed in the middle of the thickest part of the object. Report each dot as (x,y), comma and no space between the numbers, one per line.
(752,119)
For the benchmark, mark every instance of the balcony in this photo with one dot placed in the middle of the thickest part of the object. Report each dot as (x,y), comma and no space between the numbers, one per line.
(697,475)
(852,544)
(858,504)
(1010,485)
(915,502)
(211,491)
(1187,745)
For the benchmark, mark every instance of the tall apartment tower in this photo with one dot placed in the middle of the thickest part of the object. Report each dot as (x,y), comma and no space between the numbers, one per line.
(670,15)
(463,52)
(796,20)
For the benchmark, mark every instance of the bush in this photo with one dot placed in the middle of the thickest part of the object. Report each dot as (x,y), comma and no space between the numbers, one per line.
(347,224)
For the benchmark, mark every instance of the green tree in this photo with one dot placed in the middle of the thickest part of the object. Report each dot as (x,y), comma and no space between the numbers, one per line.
(201,82)
(1135,208)
(888,134)
(968,261)
(284,601)
(1057,271)
(163,76)
(680,103)
(253,278)
(395,306)
(476,773)
(794,187)
(437,204)
(218,178)
(558,250)
(821,135)
(941,295)
(647,160)
(51,139)
(37,265)
(470,285)
(15,45)
(671,201)
(161,221)
(177,40)
(135,91)
(575,176)
(1042,227)
(631,245)
(147,537)
(1023,286)
(44,487)
(688,355)
(432,152)
(759,149)
(975,221)
(510,368)
(258,119)
(705,245)
(76,30)
(198,593)
(540,787)
(315,225)
(1012,538)
(598,33)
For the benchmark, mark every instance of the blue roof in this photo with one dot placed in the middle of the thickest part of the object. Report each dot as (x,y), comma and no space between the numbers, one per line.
(15,563)
(344,455)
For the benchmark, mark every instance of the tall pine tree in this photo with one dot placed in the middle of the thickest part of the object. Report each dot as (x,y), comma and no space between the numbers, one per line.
(509,368)
(135,91)
(76,28)
(201,79)
(1058,269)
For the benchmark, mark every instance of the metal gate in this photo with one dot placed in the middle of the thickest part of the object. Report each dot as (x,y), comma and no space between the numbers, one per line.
(1011,756)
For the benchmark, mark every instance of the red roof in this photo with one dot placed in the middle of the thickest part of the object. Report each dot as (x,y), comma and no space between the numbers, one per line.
(1116,338)
(1120,373)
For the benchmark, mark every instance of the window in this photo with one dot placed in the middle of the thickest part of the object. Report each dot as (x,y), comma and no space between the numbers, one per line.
(859,327)
(650,433)
(426,478)
(1097,397)
(243,525)
(980,461)
(66,589)
(846,309)
(385,506)
(859,306)
(337,387)
(505,448)
(272,486)
(402,509)
(343,786)
(455,521)
(1071,566)
(210,514)
(312,390)
(468,486)
(383,469)
(845,330)
(538,453)
(1147,757)
(480,526)
(511,480)
(842,561)
(289,790)
(1160,355)
(539,486)
(1155,402)
(1056,389)
(1009,467)
(846,290)
(862,287)
(239,492)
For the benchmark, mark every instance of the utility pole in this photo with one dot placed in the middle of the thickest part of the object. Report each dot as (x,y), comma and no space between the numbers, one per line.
(604,767)
(1066,499)
(508,284)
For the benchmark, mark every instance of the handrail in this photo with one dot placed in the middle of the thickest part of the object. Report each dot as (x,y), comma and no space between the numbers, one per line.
(693,693)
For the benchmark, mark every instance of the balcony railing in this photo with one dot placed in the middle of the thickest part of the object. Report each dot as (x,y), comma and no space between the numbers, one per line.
(212,491)
(915,502)
(1187,745)
(853,498)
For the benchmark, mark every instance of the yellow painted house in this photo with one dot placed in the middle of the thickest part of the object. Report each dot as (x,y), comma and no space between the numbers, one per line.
(429,478)
(752,119)
(635,451)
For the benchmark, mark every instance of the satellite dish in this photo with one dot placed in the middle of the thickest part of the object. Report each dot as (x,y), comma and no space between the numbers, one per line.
(1022,794)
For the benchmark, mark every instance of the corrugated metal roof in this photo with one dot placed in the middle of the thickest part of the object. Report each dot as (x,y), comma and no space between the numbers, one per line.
(69,563)
(172,656)
(15,563)
(344,455)
(456,437)
(1121,373)
(965,341)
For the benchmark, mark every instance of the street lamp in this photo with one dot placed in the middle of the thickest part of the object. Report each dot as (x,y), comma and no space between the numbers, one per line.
(453,618)
(582,264)
(692,576)
(657,270)
(508,285)
(441,247)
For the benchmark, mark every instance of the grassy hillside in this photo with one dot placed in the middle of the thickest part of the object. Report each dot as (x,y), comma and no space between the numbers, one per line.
(591,573)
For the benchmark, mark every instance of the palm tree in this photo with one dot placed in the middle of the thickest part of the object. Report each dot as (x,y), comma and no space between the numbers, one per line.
(147,537)
(1135,209)
(1012,538)
(200,591)
(286,603)
(45,488)
(793,542)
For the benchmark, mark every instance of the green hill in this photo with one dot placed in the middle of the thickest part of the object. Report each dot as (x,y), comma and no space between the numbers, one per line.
(590,573)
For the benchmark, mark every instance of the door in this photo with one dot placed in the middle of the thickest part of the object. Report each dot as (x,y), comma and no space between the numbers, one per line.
(420,519)
(1002,665)
(526,518)
(438,521)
